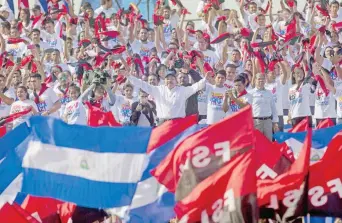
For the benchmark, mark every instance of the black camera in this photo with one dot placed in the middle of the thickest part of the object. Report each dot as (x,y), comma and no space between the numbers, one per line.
(179,63)
(95,77)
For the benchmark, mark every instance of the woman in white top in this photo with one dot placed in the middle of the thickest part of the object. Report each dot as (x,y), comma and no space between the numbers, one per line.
(23,104)
(75,112)
(336,92)
(299,98)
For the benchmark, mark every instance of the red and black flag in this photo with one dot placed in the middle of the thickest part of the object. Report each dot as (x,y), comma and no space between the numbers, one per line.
(97,118)
(229,195)
(271,162)
(221,38)
(206,150)
(325,185)
(285,197)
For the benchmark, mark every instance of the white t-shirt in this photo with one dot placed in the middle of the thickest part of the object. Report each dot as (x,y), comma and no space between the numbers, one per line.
(299,101)
(52,41)
(233,107)
(122,109)
(228,84)
(324,105)
(143,49)
(64,99)
(4,108)
(202,99)
(285,96)
(169,25)
(215,112)
(250,20)
(107,12)
(16,49)
(143,121)
(46,101)
(338,97)
(75,113)
(276,88)
(20,106)
(210,57)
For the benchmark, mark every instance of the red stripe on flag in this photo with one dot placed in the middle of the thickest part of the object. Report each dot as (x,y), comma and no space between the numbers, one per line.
(291,179)
(236,179)
(206,142)
(168,130)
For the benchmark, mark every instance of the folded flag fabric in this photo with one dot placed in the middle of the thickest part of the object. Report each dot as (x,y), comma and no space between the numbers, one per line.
(12,151)
(168,130)
(286,194)
(152,197)
(207,146)
(97,118)
(229,195)
(91,167)
(270,160)
(15,214)
(320,140)
(325,186)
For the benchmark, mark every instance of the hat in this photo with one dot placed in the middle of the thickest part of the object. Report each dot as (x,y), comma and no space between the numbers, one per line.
(36,7)
(171,72)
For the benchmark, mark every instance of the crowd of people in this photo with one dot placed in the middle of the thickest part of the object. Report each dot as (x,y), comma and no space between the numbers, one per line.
(169,68)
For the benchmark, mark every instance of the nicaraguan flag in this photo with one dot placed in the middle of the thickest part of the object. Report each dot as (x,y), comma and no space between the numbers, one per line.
(11,154)
(320,140)
(152,202)
(91,167)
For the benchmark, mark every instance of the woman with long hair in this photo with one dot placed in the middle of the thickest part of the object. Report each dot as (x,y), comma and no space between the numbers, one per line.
(23,104)
(299,95)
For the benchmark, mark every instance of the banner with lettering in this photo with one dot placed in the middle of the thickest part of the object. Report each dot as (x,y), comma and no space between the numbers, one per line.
(285,197)
(218,142)
(229,195)
(325,185)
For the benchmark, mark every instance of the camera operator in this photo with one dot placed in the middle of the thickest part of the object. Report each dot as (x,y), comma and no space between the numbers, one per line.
(143,111)
(95,95)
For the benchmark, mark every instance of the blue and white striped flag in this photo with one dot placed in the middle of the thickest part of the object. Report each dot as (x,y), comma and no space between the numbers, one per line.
(91,167)
(320,140)
(152,202)
(11,155)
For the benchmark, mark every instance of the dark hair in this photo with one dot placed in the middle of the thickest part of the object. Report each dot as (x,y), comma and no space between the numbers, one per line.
(240,78)
(128,85)
(155,75)
(86,4)
(25,89)
(28,15)
(160,67)
(2,76)
(167,7)
(37,76)
(74,86)
(6,24)
(221,72)
(335,3)
(48,21)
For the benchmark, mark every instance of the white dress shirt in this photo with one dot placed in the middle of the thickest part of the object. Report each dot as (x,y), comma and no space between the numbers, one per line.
(263,104)
(171,103)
